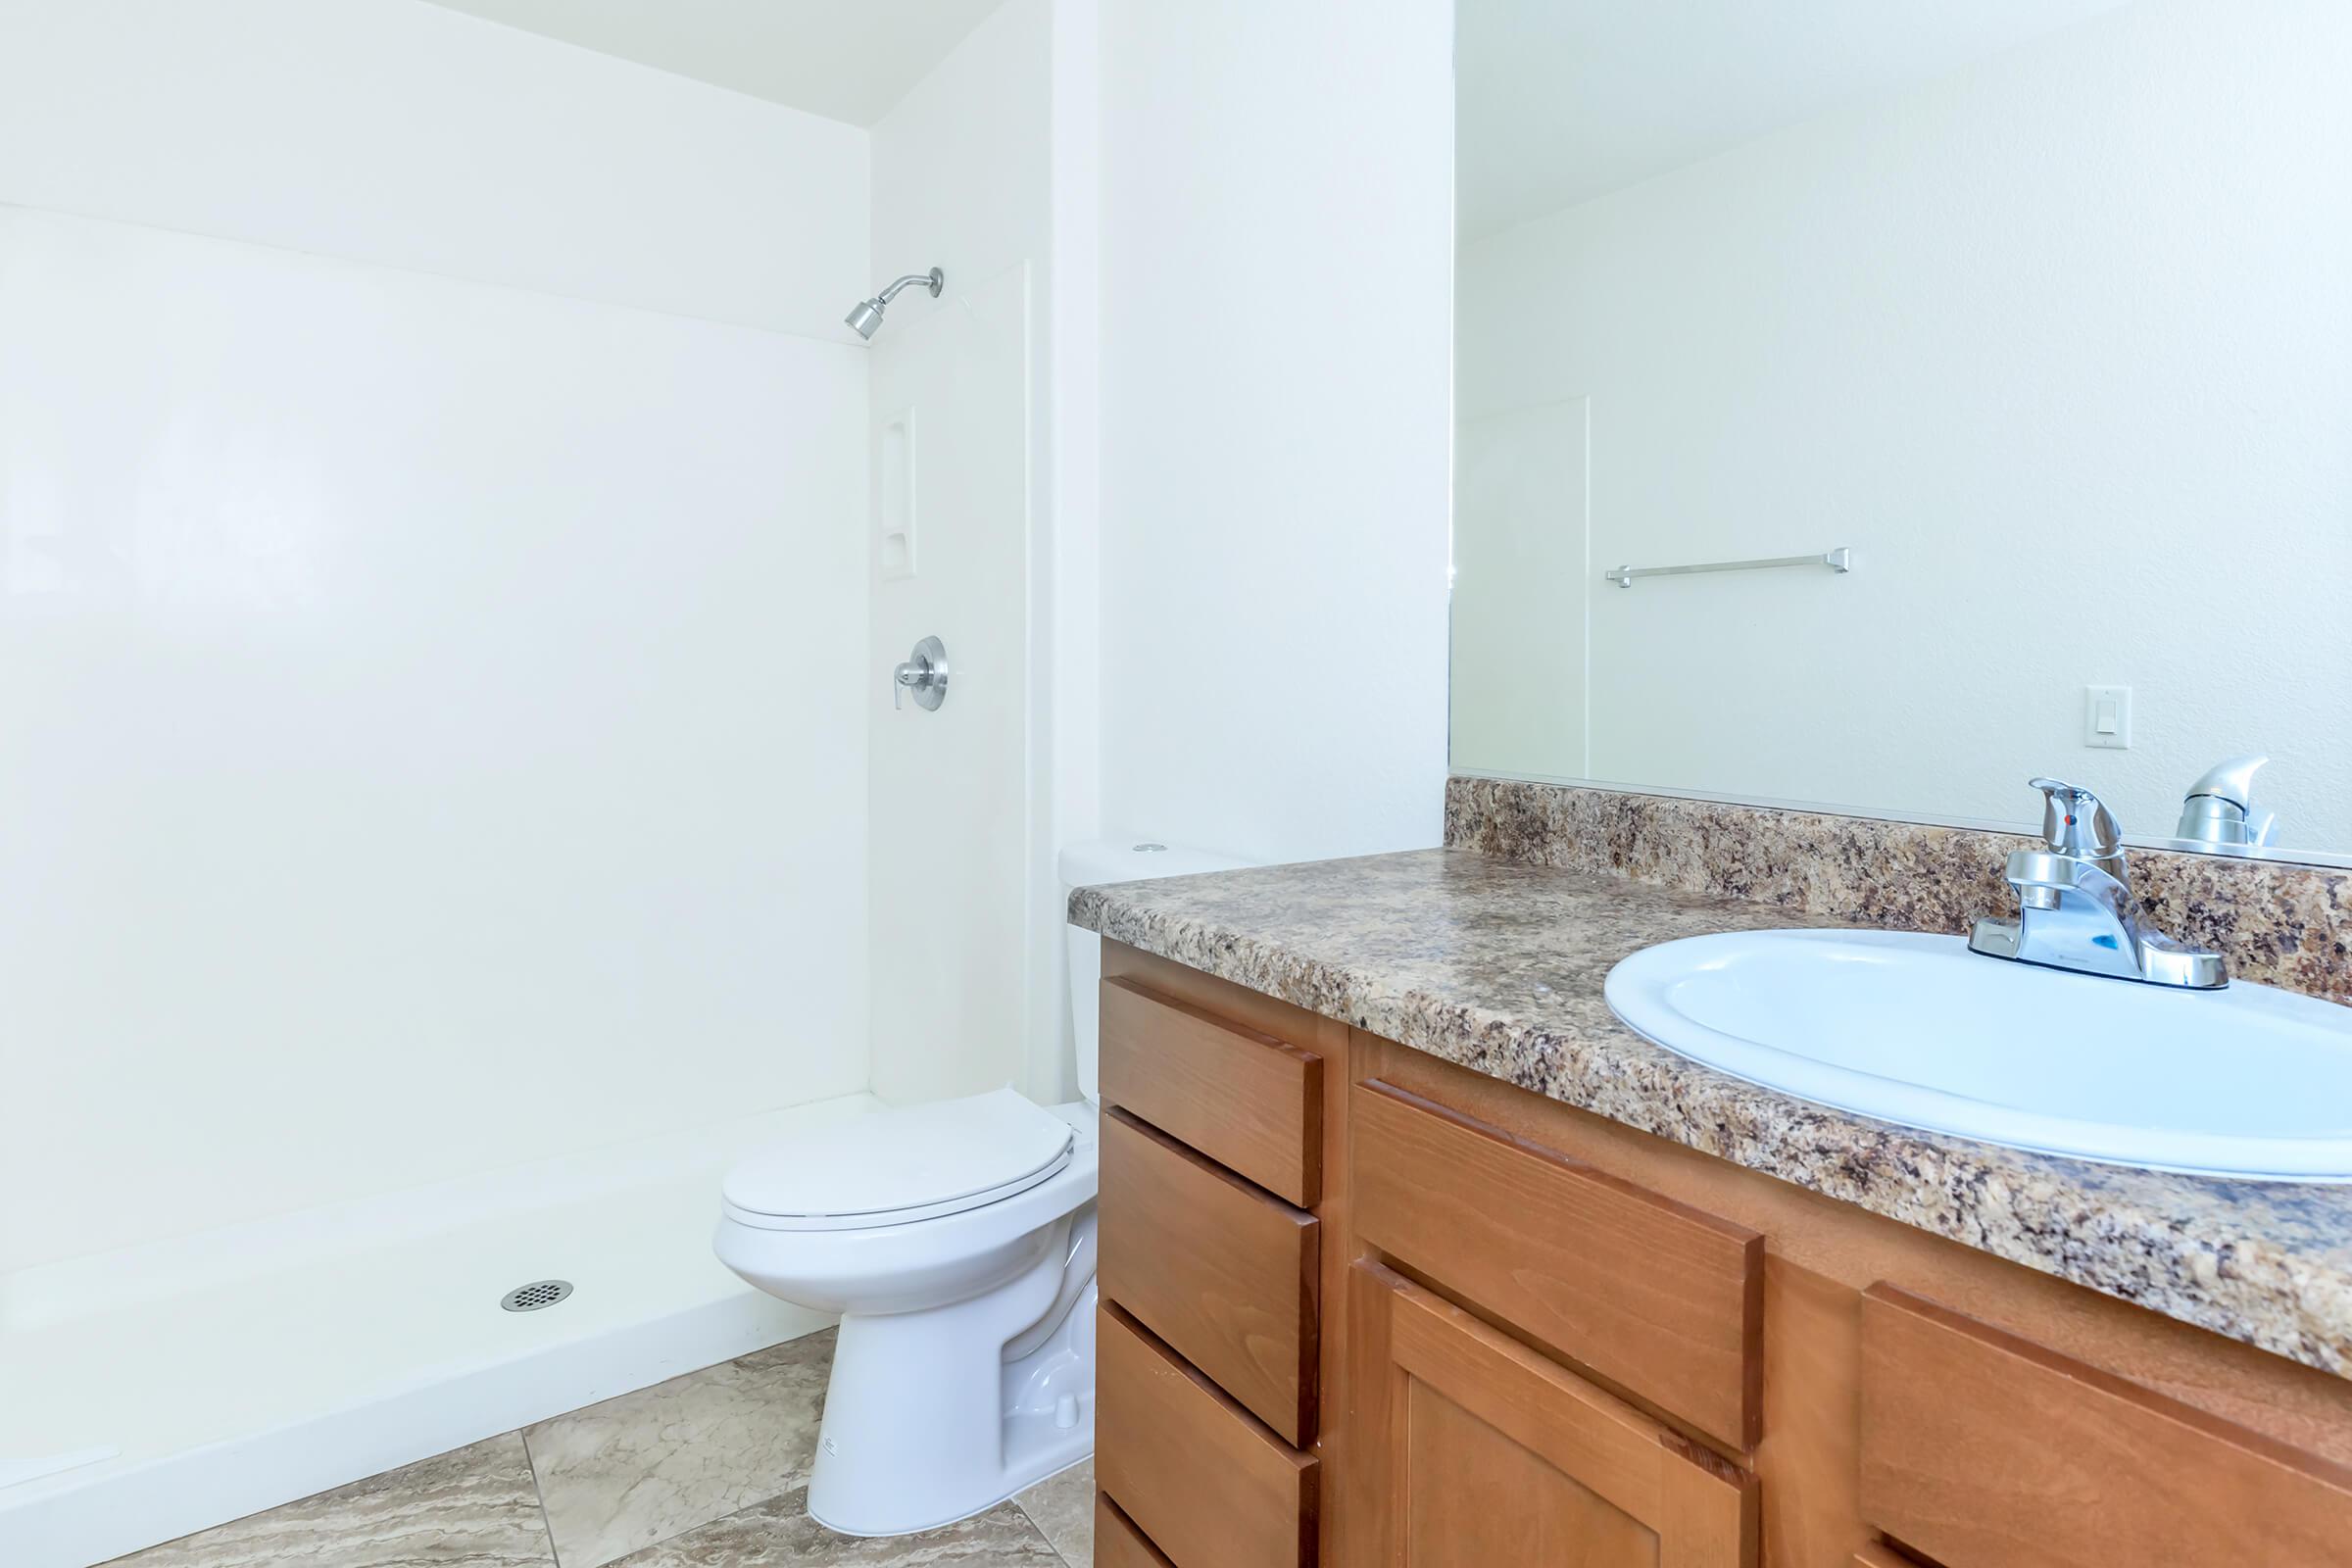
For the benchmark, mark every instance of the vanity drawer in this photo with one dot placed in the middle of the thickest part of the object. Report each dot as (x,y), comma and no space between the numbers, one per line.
(1979,1447)
(1222,1272)
(1246,1099)
(1660,1299)
(1119,1543)
(1208,1483)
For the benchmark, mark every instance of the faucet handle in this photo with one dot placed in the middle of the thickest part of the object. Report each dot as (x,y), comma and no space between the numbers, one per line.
(2218,808)
(924,674)
(2076,822)
(2232,781)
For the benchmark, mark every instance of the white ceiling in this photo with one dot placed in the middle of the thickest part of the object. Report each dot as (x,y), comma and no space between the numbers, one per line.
(844,58)
(1561,100)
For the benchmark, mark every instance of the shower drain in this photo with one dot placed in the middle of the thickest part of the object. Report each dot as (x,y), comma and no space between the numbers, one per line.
(534,1295)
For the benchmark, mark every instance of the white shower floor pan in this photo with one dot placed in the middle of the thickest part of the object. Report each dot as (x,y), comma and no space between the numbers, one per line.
(166,1388)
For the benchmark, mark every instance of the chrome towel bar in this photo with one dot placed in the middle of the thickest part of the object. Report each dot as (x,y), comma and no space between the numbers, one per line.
(1841,559)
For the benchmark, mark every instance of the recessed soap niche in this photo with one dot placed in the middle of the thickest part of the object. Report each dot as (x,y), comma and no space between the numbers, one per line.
(894,496)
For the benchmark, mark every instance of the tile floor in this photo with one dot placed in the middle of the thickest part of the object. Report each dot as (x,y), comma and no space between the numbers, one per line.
(705,1471)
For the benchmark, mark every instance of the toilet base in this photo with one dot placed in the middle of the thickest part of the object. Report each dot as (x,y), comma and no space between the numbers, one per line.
(926,1421)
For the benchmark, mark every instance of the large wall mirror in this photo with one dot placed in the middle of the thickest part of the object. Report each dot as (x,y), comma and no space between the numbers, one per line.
(2016,332)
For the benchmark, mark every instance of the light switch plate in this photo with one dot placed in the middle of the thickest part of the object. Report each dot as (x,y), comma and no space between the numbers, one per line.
(2107,717)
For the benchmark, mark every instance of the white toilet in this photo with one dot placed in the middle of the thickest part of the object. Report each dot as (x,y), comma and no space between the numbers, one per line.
(956,1241)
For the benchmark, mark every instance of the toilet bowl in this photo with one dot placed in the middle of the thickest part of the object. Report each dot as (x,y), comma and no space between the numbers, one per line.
(957,1241)
(964,1280)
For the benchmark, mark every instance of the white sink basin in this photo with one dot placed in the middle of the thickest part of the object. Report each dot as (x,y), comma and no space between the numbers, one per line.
(2249,1081)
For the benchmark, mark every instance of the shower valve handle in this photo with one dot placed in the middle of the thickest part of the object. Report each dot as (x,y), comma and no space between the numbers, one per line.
(924,674)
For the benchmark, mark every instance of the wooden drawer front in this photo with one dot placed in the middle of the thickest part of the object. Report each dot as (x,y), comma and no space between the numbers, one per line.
(1882,1557)
(1248,1101)
(1654,1295)
(1985,1451)
(1207,1484)
(1117,1543)
(1222,1272)
(1487,1453)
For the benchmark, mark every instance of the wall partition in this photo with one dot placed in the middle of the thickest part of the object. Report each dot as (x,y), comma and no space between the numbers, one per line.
(432,608)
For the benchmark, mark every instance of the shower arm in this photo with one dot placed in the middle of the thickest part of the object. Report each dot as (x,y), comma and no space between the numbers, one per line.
(867,318)
(931,280)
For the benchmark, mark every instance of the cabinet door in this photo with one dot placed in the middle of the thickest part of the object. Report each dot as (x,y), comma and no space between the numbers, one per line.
(1984,1449)
(1476,1450)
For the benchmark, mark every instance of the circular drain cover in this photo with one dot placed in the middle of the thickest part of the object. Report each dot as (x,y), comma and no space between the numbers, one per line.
(534,1295)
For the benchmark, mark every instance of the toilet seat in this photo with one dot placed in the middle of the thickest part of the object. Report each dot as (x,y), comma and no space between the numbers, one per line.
(900,1166)
(964,1371)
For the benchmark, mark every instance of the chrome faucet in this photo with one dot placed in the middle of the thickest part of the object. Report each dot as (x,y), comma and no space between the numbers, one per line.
(2076,907)
(2220,806)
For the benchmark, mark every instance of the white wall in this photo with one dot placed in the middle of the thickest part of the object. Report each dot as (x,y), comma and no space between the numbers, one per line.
(963,170)
(1069,628)
(1276,321)
(404,133)
(2060,344)
(432,661)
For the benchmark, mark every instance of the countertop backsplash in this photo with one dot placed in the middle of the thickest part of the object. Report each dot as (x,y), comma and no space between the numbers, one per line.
(2278,922)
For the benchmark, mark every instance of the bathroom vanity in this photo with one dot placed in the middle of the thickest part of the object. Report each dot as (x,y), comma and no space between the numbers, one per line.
(1412,1254)
(1832,453)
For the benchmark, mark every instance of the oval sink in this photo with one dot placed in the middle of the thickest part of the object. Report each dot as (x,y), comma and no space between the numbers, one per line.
(2249,1081)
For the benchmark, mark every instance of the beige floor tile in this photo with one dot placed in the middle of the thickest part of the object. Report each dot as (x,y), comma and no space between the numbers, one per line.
(1062,1507)
(474,1506)
(643,1467)
(779,1534)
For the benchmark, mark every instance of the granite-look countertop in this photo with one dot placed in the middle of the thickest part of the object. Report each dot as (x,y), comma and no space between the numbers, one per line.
(1497,965)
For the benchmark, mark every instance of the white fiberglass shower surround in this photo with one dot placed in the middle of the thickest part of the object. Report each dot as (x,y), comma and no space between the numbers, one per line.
(444,645)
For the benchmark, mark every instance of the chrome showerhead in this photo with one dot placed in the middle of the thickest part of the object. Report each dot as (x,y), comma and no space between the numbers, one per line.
(867,317)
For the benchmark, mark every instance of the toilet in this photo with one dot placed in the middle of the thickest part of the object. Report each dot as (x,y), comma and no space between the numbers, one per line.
(957,1241)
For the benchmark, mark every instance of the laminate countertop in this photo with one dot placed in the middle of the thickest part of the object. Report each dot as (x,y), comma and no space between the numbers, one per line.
(1497,965)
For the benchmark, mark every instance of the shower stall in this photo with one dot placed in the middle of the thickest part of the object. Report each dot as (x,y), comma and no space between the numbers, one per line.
(444,651)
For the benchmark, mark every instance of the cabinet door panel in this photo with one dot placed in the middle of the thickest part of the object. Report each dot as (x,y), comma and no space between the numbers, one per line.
(1985,1451)
(1479,1499)
(1479,1451)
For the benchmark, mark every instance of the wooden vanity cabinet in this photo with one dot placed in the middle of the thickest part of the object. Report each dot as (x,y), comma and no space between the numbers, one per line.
(1215,1333)
(1368,1309)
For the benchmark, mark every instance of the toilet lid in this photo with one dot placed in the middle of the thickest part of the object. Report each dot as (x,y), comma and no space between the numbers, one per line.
(897,1166)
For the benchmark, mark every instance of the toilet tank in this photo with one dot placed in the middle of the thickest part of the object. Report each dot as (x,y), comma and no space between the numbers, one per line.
(1117,859)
